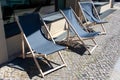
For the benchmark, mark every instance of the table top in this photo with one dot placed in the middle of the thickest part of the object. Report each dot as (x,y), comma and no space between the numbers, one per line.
(100,3)
(52,17)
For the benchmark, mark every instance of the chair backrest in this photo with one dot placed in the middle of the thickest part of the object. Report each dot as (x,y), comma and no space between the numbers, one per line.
(87,9)
(31,25)
(74,23)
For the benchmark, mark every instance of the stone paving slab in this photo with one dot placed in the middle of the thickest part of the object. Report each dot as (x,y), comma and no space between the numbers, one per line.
(97,66)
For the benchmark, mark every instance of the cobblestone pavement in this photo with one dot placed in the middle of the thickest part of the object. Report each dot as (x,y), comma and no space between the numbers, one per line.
(97,66)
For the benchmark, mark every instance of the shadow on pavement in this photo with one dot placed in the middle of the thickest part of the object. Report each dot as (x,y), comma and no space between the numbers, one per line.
(74,46)
(107,13)
(28,65)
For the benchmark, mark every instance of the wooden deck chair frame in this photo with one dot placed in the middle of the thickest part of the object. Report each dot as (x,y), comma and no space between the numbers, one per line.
(79,38)
(24,39)
(97,15)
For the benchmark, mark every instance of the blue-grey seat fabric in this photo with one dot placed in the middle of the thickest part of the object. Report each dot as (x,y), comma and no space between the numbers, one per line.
(87,8)
(76,25)
(32,28)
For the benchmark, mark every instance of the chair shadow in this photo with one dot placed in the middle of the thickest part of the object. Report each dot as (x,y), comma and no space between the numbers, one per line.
(28,65)
(107,13)
(74,46)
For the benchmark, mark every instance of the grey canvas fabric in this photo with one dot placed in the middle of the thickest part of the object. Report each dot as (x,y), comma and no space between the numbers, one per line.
(87,8)
(32,28)
(68,13)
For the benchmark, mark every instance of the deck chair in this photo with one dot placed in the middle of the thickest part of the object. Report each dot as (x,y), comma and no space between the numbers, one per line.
(75,25)
(90,14)
(39,46)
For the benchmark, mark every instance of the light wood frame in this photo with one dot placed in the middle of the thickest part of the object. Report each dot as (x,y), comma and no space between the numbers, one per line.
(80,38)
(103,32)
(24,39)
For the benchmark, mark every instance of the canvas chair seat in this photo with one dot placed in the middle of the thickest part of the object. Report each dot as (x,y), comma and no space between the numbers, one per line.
(88,11)
(90,14)
(77,27)
(32,33)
